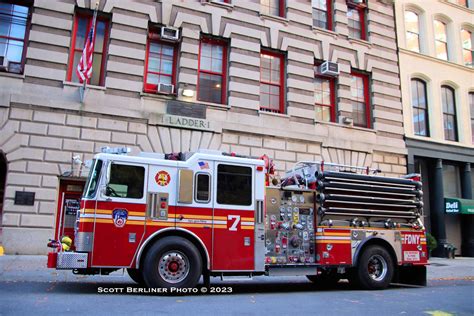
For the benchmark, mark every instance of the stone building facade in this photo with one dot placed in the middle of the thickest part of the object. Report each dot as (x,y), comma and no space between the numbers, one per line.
(436,73)
(353,118)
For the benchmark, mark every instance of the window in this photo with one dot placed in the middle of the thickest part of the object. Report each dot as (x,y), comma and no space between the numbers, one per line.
(126,181)
(94,175)
(234,185)
(420,108)
(273,7)
(412,24)
(160,64)
(82,25)
(464,3)
(449,113)
(441,40)
(14,20)
(212,71)
(471,106)
(271,82)
(322,14)
(324,98)
(356,20)
(360,100)
(203,188)
(467,51)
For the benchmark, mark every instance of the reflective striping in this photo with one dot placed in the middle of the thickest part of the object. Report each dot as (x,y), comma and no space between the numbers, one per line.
(247,223)
(329,241)
(196,221)
(333,234)
(332,238)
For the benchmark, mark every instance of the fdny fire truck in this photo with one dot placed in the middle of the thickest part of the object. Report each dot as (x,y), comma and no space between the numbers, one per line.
(170,219)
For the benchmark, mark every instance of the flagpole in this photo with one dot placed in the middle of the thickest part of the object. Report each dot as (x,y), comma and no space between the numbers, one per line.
(94,19)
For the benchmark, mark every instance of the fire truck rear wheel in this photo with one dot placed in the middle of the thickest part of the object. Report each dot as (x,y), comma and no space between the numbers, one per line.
(172,262)
(375,268)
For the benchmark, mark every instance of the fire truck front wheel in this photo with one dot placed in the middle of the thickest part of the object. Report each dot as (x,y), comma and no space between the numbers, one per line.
(172,262)
(375,268)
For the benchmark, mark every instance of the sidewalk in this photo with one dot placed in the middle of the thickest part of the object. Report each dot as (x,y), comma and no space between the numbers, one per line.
(33,269)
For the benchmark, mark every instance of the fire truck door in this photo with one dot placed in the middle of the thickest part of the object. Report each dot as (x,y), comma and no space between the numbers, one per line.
(233,217)
(194,205)
(120,215)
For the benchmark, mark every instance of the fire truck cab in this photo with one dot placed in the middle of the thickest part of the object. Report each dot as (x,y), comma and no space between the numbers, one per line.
(170,219)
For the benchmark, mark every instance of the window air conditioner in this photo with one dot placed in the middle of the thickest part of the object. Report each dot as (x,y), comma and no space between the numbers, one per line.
(165,88)
(169,33)
(329,69)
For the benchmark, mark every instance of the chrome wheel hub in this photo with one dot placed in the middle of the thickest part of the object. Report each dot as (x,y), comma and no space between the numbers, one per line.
(173,266)
(377,267)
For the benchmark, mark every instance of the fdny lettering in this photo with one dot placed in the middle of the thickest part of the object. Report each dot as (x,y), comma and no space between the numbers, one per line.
(235,220)
(411,239)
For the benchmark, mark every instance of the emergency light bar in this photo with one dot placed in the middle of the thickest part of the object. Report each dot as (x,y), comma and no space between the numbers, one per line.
(115,150)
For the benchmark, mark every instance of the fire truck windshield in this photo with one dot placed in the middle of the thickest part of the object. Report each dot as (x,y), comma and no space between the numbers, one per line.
(93,179)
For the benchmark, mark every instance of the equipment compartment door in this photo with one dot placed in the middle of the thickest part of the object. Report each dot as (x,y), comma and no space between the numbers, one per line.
(69,198)
(233,218)
(120,215)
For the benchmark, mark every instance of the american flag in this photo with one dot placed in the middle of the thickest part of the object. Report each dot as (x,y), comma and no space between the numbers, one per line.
(203,165)
(84,68)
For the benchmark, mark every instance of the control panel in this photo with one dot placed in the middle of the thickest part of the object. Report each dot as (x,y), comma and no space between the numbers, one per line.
(289,227)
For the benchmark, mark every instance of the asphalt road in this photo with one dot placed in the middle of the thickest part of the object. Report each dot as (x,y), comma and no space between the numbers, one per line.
(27,288)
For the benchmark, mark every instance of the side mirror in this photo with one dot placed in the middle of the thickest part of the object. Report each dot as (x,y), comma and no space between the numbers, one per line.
(103,190)
(107,175)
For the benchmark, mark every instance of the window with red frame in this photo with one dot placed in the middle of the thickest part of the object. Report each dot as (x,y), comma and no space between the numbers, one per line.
(324,97)
(160,62)
(271,82)
(82,25)
(273,7)
(212,71)
(360,99)
(322,14)
(14,21)
(356,20)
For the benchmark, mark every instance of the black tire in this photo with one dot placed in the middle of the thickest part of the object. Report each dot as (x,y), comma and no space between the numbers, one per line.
(172,262)
(136,275)
(375,269)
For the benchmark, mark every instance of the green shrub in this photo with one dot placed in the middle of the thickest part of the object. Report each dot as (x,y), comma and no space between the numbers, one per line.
(431,242)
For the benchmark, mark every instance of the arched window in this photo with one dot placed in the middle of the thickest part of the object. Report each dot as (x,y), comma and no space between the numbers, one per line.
(441,40)
(419,104)
(467,52)
(412,25)
(449,113)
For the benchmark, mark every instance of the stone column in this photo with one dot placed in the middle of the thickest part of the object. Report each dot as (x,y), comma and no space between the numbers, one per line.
(438,225)
(467,221)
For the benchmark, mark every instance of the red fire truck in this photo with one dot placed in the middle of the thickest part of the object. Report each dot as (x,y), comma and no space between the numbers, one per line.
(170,219)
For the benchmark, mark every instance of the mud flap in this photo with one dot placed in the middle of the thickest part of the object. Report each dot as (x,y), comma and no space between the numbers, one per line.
(413,275)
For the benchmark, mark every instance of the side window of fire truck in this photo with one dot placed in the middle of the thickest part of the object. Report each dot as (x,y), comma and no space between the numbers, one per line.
(203,186)
(94,173)
(234,185)
(126,181)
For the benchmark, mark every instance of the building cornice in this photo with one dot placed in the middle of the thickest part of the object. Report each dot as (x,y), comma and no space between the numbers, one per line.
(434,59)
